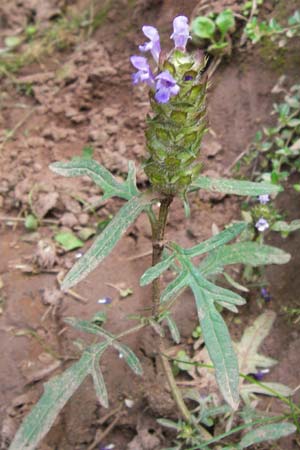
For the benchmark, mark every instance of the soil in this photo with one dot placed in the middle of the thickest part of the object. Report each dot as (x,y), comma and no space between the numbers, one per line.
(81,97)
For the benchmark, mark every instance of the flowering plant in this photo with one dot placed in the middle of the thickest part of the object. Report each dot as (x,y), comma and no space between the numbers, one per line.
(177,91)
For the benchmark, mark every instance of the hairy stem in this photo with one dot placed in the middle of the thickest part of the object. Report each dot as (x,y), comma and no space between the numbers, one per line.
(158,234)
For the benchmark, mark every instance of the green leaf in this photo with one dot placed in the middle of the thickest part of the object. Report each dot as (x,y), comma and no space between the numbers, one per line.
(216,241)
(99,384)
(234,283)
(100,175)
(68,241)
(219,346)
(173,287)
(156,271)
(173,329)
(266,388)
(233,186)
(169,424)
(203,27)
(130,357)
(285,227)
(107,240)
(57,393)
(88,327)
(225,21)
(267,433)
(249,253)
(31,222)
(12,41)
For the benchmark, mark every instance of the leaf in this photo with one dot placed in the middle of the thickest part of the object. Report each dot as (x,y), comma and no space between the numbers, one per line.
(169,424)
(106,241)
(267,433)
(156,271)
(68,240)
(225,21)
(31,222)
(203,27)
(249,253)
(219,346)
(100,175)
(266,388)
(99,384)
(12,41)
(130,357)
(234,283)
(173,287)
(173,329)
(253,336)
(216,241)
(237,187)
(57,393)
(285,227)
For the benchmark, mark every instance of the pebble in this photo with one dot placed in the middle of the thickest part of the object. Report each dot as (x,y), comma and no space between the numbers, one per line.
(68,220)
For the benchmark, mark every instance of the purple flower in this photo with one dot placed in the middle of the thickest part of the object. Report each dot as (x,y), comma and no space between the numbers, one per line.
(180,33)
(154,42)
(144,74)
(105,301)
(264,199)
(166,87)
(265,294)
(262,225)
(259,375)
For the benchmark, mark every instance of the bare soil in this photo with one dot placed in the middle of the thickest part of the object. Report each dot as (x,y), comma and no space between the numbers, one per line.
(84,97)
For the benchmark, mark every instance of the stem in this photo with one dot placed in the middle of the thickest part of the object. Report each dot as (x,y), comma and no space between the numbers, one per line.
(158,232)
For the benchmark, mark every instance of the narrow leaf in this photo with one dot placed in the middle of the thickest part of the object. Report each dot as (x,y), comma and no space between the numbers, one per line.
(99,383)
(130,357)
(88,327)
(57,393)
(249,253)
(266,388)
(229,186)
(219,346)
(173,329)
(216,241)
(156,271)
(267,433)
(107,240)
(173,288)
(286,227)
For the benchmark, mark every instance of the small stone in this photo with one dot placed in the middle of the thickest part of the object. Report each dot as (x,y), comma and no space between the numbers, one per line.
(68,220)
(110,112)
(83,219)
(99,136)
(112,128)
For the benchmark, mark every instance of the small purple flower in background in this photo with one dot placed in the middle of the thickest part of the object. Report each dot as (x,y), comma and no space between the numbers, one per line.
(180,33)
(264,199)
(154,42)
(265,294)
(166,87)
(262,225)
(144,74)
(259,375)
(105,301)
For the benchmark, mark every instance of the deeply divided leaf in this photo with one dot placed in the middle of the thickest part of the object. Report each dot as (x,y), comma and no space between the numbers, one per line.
(57,393)
(100,175)
(267,433)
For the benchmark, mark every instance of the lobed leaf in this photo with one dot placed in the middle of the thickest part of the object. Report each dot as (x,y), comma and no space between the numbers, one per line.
(100,175)
(57,393)
(237,187)
(173,287)
(107,240)
(267,433)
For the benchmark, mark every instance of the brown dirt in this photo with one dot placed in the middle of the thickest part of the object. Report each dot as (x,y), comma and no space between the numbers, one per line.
(84,97)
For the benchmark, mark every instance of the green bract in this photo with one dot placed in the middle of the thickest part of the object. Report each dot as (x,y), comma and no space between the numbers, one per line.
(175,129)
